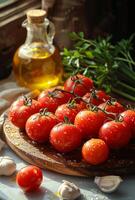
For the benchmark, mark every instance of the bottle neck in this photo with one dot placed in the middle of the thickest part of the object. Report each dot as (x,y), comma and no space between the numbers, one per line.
(37,40)
(36,33)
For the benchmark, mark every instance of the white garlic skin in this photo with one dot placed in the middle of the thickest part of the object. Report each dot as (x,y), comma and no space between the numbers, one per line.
(7,166)
(108,184)
(2,144)
(68,191)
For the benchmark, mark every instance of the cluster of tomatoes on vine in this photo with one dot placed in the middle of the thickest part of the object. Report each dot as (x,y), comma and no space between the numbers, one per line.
(74,115)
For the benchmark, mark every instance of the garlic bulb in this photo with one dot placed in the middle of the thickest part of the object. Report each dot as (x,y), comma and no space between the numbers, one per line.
(68,191)
(2,144)
(108,183)
(7,166)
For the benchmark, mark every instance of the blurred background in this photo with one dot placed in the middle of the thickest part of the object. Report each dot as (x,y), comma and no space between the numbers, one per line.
(93,17)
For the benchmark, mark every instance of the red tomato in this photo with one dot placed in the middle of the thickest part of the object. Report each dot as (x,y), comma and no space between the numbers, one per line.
(39,125)
(68,110)
(116,134)
(65,137)
(97,98)
(21,110)
(95,151)
(52,98)
(116,108)
(29,178)
(82,105)
(89,122)
(79,84)
(129,117)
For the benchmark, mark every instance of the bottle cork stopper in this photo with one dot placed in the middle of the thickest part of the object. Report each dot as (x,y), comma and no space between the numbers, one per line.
(36,16)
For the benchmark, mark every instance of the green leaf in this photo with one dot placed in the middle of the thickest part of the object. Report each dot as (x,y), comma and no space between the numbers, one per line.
(89,54)
(81,34)
(73,36)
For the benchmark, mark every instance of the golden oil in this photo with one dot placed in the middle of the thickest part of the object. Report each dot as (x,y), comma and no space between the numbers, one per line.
(38,69)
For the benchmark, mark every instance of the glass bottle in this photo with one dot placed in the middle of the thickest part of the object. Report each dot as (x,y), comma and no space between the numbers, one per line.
(37,63)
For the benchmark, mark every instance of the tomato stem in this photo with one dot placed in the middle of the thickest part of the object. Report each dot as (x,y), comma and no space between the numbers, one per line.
(107,113)
(130,107)
(61,90)
(72,103)
(119,118)
(44,112)
(66,120)
(75,95)
(27,101)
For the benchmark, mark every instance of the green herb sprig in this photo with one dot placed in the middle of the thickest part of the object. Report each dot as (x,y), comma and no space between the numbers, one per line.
(111,66)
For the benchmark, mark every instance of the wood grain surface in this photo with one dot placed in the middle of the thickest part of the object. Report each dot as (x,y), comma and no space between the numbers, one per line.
(120,162)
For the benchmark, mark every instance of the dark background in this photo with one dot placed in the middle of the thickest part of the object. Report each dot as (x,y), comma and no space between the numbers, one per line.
(113,17)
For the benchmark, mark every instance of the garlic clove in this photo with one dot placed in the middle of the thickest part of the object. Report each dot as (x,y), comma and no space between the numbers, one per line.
(68,191)
(7,166)
(108,184)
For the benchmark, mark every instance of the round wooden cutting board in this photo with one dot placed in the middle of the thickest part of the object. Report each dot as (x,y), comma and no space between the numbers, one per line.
(120,162)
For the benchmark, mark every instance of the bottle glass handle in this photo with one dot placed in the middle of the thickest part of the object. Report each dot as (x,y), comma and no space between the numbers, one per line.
(50,31)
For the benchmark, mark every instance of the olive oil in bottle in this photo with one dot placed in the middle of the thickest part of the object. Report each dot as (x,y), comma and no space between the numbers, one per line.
(37,63)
